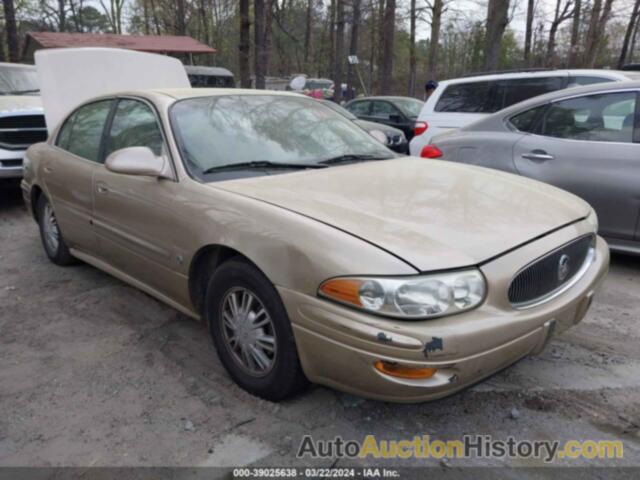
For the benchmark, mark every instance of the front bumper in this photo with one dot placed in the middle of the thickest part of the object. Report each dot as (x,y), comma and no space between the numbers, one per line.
(11,163)
(339,346)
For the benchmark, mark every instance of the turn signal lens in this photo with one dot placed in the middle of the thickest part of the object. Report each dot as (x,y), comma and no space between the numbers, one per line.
(403,371)
(419,128)
(430,151)
(343,289)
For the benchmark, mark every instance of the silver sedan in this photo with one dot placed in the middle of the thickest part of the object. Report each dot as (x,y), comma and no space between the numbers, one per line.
(584,140)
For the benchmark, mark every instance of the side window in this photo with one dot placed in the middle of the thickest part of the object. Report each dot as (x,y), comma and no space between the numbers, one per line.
(526,121)
(473,97)
(607,117)
(134,125)
(82,132)
(581,80)
(359,108)
(510,92)
(384,110)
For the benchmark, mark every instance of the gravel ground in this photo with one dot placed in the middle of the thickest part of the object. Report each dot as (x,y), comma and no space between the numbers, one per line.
(96,373)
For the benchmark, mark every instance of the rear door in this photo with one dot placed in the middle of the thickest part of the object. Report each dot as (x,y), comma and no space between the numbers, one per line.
(69,170)
(385,112)
(589,146)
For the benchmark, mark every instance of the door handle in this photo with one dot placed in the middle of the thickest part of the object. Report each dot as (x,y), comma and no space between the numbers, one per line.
(102,188)
(539,155)
(48,169)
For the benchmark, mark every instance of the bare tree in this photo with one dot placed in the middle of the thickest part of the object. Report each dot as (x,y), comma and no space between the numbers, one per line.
(12,31)
(386,70)
(114,13)
(412,48)
(436,9)
(562,13)
(531,5)
(599,17)
(258,43)
(497,21)
(353,44)
(631,27)
(575,34)
(307,33)
(244,46)
(339,53)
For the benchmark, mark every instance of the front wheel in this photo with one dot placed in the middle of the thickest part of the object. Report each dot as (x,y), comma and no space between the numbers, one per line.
(52,240)
(252,333)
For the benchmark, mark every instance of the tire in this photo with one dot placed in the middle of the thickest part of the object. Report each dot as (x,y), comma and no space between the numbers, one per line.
(55,248)
(277,374)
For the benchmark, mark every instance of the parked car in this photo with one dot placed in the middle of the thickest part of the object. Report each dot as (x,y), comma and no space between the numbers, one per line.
(395,138)
(584,140)
(21,117)
(209,77)
(310,256)
(459,102)
(397,112)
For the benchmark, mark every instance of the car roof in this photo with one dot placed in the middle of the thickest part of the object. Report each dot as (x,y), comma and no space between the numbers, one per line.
(612,74)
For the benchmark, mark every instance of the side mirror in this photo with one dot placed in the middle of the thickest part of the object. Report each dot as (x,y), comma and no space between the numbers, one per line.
(380,136)
(138,161)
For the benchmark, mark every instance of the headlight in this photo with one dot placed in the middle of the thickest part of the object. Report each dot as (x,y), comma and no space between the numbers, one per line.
(422,296)
(592,219)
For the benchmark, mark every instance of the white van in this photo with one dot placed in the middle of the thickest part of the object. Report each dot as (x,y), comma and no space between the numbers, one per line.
(461,101)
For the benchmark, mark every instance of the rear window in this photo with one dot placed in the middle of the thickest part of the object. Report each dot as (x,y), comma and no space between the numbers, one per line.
(583,80)
(491,96)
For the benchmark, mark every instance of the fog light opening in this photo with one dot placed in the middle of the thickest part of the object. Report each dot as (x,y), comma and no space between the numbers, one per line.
(404,371)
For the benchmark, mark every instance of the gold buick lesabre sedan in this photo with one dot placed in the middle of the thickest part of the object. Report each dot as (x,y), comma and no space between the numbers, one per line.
(313,253)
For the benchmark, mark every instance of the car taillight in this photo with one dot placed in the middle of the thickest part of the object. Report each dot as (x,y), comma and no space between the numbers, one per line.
(430,151)
(420,127)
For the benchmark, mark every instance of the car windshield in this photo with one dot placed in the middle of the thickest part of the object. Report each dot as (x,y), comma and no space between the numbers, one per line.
(18,81)
(409,106)
(257,130)
(341,110)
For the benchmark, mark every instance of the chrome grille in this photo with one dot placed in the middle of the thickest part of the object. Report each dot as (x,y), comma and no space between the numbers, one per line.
(550,273)
(18,132)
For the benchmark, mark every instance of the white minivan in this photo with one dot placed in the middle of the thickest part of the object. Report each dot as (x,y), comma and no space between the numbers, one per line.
(461,101)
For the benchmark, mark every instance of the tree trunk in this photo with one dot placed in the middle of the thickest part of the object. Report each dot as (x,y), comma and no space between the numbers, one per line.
(339,55)
(528,32)
(307,33)
(497,20)
(268,30)
(258,43)
(386,72)
(597,24)
(180,25)
(353,47)
(412,49)
(12,31)
(434,41)
(627,35)
(244,46)
(575,34)
(62,16)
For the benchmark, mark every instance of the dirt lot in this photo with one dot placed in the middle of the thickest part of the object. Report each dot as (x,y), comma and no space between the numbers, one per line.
(96,373)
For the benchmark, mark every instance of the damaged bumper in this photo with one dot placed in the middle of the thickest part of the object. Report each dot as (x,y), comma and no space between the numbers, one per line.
(339,347)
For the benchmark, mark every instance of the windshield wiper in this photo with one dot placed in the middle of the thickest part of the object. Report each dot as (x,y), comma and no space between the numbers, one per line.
(261,164)
(353,158)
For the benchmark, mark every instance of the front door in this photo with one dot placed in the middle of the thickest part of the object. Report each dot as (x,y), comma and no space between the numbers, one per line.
(135,220)
(588,145)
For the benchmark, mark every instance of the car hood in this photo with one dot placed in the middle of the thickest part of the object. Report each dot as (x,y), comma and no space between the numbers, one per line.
(432,214)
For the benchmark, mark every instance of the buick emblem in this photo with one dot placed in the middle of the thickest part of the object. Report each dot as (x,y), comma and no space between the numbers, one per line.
(563,267)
